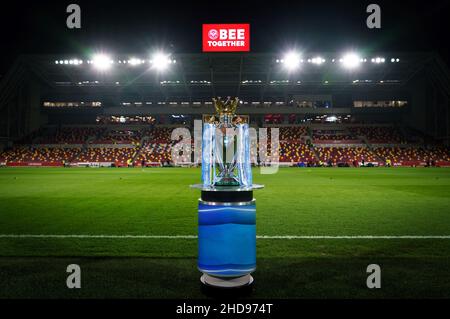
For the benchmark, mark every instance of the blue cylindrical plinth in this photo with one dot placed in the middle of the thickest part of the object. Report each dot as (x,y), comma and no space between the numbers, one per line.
(227,238)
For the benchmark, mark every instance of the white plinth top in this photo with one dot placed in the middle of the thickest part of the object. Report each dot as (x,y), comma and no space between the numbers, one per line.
(227,188)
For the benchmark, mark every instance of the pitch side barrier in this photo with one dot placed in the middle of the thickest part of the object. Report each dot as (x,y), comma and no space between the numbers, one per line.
(33,164)
(155,164)
(420,163)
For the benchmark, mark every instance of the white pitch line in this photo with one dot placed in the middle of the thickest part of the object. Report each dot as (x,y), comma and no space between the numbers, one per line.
(358,237)
(81,236)
(99,236)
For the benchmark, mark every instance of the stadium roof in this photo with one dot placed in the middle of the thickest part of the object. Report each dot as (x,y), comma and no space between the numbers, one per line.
(197,76)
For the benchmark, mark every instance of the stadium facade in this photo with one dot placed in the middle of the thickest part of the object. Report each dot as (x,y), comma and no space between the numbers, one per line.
(387,101)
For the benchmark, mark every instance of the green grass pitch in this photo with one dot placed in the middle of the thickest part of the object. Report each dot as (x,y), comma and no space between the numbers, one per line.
(158,201)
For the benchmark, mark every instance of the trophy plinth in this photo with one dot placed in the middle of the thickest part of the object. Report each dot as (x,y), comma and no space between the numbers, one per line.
(227,209)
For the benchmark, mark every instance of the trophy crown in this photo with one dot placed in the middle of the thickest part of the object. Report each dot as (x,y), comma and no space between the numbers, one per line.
(225,107)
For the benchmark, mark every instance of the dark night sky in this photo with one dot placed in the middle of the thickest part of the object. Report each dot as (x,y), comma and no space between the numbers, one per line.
(139,26)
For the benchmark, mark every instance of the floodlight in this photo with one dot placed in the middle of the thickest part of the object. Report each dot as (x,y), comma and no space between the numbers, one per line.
(318,60)
(351,60)
(331,118)
(102,62)
(160,61)
(291,61)
(134,61)
(378,60)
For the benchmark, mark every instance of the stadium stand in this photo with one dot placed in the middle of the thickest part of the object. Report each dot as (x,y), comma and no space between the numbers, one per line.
(21,155)
(413,156)
(348,155)
(160,134)
(68,135)
(119,155)
(155,153)
(331,135)
(117,136)
(350,145)
(342,119)
(379,134)
(295,152)
(293,133)
(31,138)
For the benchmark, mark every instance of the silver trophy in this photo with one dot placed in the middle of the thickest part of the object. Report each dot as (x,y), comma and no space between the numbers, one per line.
(227,210)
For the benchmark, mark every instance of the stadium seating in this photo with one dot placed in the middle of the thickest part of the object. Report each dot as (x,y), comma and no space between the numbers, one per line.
(33,155)
(331,135)
(292,133)
(106,154)
(379,134)
(102,144)
(413,154)
(345,154)
(160,134)
(295,152)
(32,137)
(69,135)
(155,153)
(439,153)
(119,137)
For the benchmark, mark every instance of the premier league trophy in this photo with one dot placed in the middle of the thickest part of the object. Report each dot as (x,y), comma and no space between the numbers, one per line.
(226,210)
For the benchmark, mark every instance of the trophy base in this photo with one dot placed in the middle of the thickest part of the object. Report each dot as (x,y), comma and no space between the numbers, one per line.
(223,282)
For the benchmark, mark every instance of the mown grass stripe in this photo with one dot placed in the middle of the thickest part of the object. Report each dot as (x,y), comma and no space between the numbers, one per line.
(81,236)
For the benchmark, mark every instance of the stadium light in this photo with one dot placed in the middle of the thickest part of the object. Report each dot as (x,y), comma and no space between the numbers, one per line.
(134,61)
(378,60)
(317,60)
(160,61)
(102,62)
(350,60)
(291,61)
